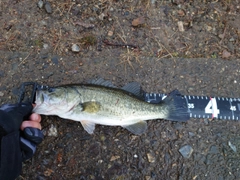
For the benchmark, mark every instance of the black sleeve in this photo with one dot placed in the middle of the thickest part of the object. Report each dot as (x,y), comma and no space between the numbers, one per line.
(11,158)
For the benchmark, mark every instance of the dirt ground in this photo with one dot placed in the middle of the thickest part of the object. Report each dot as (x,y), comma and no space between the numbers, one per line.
(192,46)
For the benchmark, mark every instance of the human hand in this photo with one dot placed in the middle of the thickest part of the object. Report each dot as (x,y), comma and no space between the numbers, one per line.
(16,145)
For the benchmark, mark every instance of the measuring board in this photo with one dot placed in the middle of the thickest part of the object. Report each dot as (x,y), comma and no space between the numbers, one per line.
(197,106)
(203,106)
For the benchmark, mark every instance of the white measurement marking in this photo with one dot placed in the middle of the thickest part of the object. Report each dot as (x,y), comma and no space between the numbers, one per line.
(190,105)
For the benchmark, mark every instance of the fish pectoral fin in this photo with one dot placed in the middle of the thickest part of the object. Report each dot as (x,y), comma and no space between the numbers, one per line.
(137,128)
(88,126)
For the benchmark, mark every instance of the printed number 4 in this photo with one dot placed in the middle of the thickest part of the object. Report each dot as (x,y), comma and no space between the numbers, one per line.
(211,108)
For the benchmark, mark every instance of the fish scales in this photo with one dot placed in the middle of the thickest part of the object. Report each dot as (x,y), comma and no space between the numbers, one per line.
(120,103)
(107,105)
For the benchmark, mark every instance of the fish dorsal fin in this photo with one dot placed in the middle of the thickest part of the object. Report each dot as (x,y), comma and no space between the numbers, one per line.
(137,128)
(134,88)
(102,82)
(88,126)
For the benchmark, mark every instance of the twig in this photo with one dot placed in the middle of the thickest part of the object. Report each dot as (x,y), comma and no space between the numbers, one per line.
(86,25)
(223,35)
(24,59)
(121,45)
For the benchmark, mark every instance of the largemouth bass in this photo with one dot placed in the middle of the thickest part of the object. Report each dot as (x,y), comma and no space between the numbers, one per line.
(101,103)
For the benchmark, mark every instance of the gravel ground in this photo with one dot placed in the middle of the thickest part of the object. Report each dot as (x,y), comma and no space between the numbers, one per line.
(163,45)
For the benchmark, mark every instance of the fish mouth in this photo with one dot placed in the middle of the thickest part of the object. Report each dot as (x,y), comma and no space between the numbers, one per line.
(39,98)
(40,102)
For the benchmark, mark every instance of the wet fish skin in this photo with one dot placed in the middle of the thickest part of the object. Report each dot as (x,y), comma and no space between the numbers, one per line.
(106,105)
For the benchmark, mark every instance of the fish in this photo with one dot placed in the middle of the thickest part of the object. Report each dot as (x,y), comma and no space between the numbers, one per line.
(100,102)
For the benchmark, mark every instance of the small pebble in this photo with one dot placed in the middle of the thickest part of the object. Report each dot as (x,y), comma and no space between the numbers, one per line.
(110,33)
(186,151)
(191,134)
(138,21)
(233,147)
(147,177)
(151,158)
(48,8)
(180,26)
(52,131)
(40,4)
(45,46)
(1,94)
(113,158)
(101,16)
(181,12)
(231,39)
(226,54)
(55,60)
(75,48)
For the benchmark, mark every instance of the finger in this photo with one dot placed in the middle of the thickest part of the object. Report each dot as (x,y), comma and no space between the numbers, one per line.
(33,124)
(35,117)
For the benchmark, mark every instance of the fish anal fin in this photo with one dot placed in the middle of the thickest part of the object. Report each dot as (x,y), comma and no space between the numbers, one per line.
(91,106)
(88,126)
(137,128)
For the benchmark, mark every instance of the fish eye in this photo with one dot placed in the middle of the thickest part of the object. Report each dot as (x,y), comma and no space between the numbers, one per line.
(50,90)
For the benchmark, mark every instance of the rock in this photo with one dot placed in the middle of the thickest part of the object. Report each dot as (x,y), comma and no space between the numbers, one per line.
(151,158)
(55,60)
(75,48)
(138,21)
(233,147)
(101,16)
(180,26)
(226,54)
(1,94)
(147,177)
(113,158)
(110,33)
(213,150)
(40,4)
(48,7)
(52,131)
(186,151)
(45,46)
(181,12)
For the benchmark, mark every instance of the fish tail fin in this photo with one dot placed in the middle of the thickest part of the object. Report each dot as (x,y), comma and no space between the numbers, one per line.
(177,105)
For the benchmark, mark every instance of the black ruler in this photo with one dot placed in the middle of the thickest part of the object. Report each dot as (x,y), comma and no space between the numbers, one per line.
(205,107)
